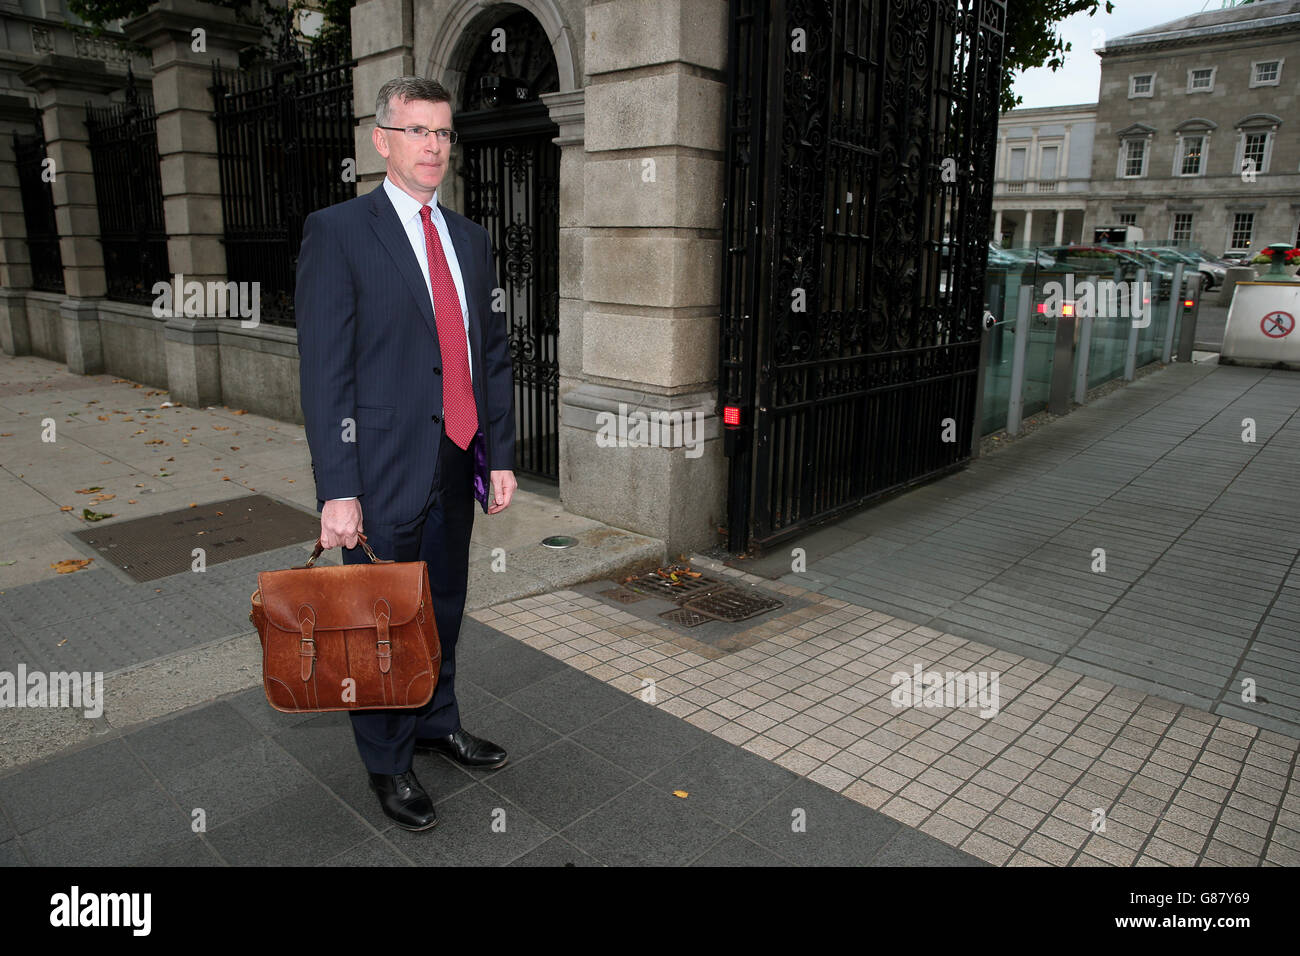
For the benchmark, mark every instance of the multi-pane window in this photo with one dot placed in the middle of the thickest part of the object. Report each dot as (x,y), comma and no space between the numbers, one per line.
(1048,162)
(1141,84)
(1182,229)
(1193,148)
(1128,219)
(1254,149)
(1016,173)
(1200,81)
(1266,73)
(1135,156)
(1243,231)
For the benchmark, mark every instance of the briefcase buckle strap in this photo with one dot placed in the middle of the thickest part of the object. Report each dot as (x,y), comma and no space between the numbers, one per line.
(383,646)
(307,646)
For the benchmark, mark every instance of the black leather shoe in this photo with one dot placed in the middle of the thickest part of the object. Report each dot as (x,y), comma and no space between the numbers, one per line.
(404,800)
(466,749)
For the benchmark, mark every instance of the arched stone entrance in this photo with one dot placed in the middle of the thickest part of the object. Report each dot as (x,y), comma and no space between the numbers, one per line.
(507,178)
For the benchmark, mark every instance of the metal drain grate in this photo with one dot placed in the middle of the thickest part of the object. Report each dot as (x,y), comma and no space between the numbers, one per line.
(685,617)
(161,545)
(685,587)
(622,595)
(731,604)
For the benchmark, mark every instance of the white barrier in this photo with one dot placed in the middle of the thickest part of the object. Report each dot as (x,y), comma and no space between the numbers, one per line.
(1261,327)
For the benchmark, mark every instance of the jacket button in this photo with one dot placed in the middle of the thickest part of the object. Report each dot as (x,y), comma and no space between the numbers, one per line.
(436,418)
(437,370)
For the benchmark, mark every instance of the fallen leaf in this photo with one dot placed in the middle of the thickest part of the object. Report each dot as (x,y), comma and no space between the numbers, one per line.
(140,432)
(185,441)
(102,418)
(89,491)
(139,484)
(681,793)
(137,385)
(240,411)
(194,504)
(130,501)
(105,496)
(173,458)
(234,448)
(71,564)
(62,642)
(227,478)
(66,508)
(7,563)
(6,434)
(155,441)
(220,513)
(93,515)
(222,428)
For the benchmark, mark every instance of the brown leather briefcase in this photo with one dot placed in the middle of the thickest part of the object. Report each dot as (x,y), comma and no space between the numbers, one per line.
(354,637)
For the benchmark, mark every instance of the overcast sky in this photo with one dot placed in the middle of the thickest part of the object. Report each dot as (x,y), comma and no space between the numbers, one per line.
(1078,80)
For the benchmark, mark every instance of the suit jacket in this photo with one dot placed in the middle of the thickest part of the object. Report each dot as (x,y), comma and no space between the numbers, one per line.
(368,349)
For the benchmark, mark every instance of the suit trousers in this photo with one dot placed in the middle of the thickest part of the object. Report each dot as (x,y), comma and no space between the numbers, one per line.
(439,535)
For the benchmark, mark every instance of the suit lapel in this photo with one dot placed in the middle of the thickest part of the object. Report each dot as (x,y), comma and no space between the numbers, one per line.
(389,229)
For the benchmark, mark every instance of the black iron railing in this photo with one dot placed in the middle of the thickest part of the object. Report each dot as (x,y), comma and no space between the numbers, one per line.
(38,209)
(285,149)
(128,191)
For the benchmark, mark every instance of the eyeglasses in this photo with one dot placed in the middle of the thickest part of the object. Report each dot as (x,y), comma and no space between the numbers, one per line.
(416,134)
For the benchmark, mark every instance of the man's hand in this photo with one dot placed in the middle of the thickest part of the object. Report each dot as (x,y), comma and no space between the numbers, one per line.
(340,520)
(503,490)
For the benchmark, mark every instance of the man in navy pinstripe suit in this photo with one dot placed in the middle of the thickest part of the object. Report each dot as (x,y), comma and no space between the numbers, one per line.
(407,395)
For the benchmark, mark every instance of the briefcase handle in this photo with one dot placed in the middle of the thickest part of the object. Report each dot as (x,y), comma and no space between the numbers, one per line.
(361,539)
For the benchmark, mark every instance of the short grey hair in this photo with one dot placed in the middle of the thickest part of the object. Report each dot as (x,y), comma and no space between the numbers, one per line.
(407,88)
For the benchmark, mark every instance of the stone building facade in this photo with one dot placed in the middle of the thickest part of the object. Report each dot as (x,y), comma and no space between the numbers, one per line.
(1044,173)
(1198,129)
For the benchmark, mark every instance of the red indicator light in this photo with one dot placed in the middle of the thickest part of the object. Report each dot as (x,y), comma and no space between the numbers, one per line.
(731,415)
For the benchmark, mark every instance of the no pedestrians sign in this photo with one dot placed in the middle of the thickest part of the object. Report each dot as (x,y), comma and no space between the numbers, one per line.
(1278,324)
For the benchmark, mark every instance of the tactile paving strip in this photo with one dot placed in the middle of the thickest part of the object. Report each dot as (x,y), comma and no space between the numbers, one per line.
(161,545)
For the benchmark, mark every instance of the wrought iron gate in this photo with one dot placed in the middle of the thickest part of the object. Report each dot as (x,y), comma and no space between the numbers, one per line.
(860,151)
(284,146)
(511,172)
(123,142)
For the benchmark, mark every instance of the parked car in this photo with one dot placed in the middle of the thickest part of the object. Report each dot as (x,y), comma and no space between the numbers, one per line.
(1101,260)
(1212,273)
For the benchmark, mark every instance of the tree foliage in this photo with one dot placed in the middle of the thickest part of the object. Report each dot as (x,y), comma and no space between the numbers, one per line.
(1033,37)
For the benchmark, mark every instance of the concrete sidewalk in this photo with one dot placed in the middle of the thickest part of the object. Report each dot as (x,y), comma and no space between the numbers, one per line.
(172,643)
(637,740)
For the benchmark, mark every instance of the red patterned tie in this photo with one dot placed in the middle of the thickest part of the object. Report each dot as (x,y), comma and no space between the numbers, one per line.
(460,417)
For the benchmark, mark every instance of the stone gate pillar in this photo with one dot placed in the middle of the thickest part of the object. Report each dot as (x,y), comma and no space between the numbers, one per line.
(650,272)
(189,170)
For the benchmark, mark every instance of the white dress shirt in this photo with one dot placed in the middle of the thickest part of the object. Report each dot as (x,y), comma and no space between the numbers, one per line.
(408,214)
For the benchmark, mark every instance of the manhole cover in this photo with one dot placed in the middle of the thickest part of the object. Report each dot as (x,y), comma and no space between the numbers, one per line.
(161,545)
(731,604)
(676,583)
(684,617)
(622,595)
